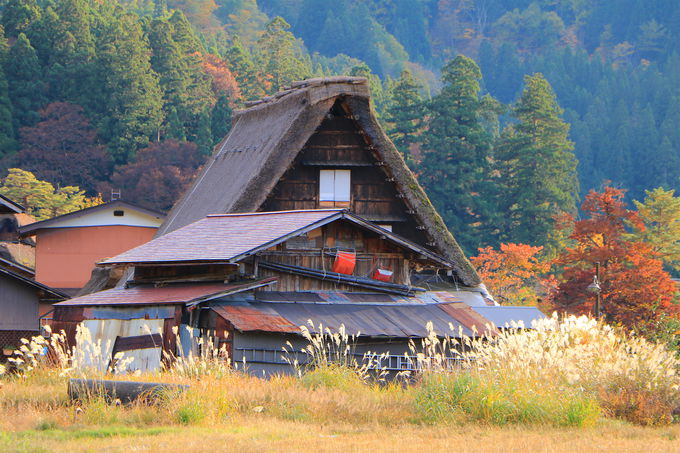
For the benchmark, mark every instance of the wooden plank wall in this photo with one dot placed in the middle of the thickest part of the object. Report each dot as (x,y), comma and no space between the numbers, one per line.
(318,250)
(338,144)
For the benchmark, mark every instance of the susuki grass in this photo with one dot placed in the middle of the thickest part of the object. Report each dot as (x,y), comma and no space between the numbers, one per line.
(565,374)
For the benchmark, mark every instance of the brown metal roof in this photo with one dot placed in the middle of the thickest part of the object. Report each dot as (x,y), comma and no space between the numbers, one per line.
(246,318)
(469,318)
(223,237)
(395,320)
(171,294)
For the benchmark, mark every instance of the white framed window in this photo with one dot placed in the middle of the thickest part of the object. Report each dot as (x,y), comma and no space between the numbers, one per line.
(334,185)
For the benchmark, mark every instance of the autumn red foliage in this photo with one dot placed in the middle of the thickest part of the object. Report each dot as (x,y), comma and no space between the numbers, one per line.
(514,274)
(63,149)
(635,289)
(159,174)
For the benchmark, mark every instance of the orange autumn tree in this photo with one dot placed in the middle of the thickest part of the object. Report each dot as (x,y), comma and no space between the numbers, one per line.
(635,289)
(514,273)
(223,81)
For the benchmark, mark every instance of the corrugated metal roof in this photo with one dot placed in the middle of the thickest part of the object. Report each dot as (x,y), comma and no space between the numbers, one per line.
(374,320)
(223,237)
(150,295)
(334,297)
(246,318)
(504,315)
(471,298)
(469,318)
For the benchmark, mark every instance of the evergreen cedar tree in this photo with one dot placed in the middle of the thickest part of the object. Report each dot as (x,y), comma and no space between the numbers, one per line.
(636,291)
(455,167)
(537,167)
(404,114)
(660,214)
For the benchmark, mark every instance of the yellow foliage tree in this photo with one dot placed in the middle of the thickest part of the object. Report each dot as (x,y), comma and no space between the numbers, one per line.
(40,198)
(660,213)
(514,274)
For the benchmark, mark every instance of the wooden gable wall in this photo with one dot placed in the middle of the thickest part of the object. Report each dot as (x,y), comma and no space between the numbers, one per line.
(339,144)
(317,251)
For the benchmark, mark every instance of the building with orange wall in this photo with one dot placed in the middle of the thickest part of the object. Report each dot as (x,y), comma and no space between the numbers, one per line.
(68,246)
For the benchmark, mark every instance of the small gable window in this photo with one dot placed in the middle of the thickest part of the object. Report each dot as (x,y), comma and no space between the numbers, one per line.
(334,187)
(118,213)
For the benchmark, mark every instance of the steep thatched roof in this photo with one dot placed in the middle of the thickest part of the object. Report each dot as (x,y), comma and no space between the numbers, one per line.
(267,136)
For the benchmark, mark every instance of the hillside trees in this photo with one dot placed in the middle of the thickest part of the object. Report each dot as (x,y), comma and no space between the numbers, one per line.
(455,168)
(660,215)
(404,113)
(7,136)
(40,198)
(159,174)
(25,86)
(280,58)
(128,99)
(64,135)
(536,165)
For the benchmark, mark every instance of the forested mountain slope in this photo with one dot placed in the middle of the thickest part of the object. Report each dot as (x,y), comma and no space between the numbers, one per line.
(132,95)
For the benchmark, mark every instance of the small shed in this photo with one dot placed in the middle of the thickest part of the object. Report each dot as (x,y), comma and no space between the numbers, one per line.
(68,246)
(22,302)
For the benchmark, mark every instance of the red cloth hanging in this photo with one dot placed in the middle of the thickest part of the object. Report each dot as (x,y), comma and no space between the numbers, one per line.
(344,263)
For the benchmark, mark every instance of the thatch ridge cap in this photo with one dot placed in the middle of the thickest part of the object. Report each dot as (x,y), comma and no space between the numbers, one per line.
(300,87)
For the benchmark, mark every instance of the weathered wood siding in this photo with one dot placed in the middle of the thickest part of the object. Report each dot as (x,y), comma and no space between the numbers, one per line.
(318,249)
(339,144)
(18,305)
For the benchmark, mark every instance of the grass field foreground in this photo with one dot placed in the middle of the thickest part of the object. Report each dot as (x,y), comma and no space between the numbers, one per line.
(570,385)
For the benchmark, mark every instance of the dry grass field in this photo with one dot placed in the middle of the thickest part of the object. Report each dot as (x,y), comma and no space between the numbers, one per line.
(264,433)
(574,386)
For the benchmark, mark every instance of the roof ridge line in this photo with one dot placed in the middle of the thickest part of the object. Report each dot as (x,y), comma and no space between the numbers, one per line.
(300,85)
(292,211)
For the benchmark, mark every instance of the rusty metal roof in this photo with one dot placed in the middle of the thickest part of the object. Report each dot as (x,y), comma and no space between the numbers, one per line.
(247,318)
(469,318)
(374,320)
(368,314)
(170,294)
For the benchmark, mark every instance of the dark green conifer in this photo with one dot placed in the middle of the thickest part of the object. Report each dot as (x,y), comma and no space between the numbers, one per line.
(25,85)
(405,113)
(455,168)
(537,167)
(220,119)
(128,103)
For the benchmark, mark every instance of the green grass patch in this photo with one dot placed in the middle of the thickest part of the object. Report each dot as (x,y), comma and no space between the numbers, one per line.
(442,397)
